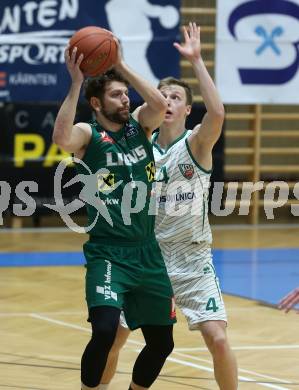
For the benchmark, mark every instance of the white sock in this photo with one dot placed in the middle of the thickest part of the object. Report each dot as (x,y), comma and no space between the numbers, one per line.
(103,387)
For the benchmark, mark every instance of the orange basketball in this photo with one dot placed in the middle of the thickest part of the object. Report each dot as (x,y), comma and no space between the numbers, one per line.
(98,47)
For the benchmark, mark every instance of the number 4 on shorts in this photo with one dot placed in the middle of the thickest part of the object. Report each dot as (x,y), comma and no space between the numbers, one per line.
(211,305)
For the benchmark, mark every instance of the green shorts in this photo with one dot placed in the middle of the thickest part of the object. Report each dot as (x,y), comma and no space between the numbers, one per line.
(131,278)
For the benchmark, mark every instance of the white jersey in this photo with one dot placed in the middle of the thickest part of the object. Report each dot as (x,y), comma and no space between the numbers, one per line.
(182,190)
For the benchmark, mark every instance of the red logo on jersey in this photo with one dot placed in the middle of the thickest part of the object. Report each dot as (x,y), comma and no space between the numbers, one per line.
(172,313)
(106,137)
(187,170)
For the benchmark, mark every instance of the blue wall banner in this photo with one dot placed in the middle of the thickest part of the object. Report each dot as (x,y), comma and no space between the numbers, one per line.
(34,34)
(257,56)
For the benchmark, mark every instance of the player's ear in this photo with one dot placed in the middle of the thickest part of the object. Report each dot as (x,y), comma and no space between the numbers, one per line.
(188,110)
(95,103)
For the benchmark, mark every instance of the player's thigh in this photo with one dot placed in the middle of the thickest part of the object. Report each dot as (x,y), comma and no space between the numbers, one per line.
(107,277)
(152,303)
(199,298)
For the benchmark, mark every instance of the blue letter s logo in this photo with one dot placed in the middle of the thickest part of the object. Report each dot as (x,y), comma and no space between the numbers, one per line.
(259,7)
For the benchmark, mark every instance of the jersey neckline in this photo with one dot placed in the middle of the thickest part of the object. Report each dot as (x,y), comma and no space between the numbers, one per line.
(116,135)
(164,151)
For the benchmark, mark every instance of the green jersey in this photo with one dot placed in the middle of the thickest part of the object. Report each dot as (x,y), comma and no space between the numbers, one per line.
(122,169)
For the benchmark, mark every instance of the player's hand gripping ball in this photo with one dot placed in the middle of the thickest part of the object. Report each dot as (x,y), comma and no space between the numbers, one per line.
(99,48)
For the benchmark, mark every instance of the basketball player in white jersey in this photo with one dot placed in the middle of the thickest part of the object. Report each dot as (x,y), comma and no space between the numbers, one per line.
(184,164)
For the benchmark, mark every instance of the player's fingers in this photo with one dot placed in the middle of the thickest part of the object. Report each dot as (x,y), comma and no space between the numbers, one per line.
(283,302)
(191,30)
(186,35)
(177,46)
(197,30)
(80,59)
(73,55)
(118,45)
(116,40)
(288,301)
(67,53)
(194,30)
(289,306)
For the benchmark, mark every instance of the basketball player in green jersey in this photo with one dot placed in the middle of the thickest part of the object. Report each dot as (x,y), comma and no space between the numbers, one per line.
(125,269)
(184,161)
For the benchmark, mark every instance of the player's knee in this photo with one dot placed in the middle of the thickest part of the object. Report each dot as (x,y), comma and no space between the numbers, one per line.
(104,322)
(219,345)
(103,337)
(168,348)
(163,347)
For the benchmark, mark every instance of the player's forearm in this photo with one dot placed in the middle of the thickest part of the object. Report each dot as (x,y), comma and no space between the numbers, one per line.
(150,94)
(66,115)
(208,89)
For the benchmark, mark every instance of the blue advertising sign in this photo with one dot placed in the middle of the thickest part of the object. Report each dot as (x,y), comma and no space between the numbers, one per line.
(257,51)
(34,34)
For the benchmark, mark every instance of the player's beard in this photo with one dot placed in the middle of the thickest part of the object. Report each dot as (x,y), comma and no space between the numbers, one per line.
(116,116)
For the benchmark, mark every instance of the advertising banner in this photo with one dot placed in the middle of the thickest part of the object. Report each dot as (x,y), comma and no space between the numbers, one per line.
(257,52)
(34,34)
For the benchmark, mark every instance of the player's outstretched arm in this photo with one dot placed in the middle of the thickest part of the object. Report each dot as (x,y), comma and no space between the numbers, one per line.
(151,114)
(71,138)
(205,135)
(289,301)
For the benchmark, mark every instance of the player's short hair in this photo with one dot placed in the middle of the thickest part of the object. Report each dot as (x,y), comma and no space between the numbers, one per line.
(173,81)
(95,86)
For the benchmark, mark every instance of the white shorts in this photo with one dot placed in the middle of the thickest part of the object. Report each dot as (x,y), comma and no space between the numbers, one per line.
(195,284)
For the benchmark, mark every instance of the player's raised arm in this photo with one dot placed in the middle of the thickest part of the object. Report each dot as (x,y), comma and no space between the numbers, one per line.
(206,134)
(151,114)
(69,137)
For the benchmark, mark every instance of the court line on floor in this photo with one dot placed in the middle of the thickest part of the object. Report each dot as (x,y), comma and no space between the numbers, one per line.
(183,362)
(246,348)
(191,349)
(63,313)
(70,313)
(240,369)
(243,226)
(241,377)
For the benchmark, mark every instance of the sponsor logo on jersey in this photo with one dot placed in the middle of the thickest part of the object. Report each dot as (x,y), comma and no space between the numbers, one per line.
(106,138)
(106,289)
(110,202)
(106,181)
(134,156)
(150,171)
(185,196)
(207,270)
(131,131)
(187,170)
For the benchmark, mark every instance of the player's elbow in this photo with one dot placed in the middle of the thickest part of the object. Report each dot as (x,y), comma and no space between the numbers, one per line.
(219,113)
(56,137)
(217,117)
(59,139)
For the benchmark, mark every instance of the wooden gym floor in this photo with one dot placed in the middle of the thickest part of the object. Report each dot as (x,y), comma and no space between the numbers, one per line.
(43,327)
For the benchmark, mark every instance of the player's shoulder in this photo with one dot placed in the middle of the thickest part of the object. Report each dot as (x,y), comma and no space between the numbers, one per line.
(83,126)
(181,141)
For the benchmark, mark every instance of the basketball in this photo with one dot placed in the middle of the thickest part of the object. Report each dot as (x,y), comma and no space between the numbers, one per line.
(98,47)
